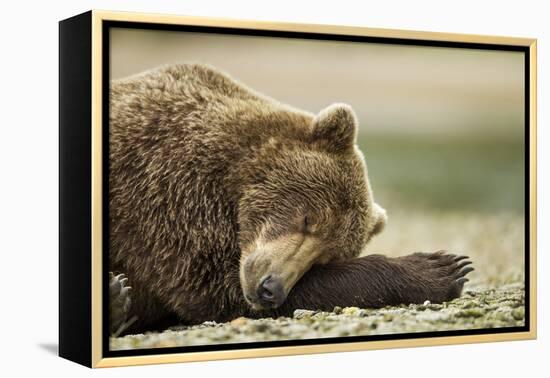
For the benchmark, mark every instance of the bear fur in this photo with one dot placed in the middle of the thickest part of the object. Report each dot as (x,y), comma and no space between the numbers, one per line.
(214,189)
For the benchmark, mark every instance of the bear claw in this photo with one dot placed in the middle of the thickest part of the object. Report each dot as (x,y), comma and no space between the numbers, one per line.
(459,269)
(460,258)
(465,271)
(462,265)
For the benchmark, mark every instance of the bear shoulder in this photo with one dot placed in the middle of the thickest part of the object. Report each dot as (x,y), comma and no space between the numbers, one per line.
(189,79)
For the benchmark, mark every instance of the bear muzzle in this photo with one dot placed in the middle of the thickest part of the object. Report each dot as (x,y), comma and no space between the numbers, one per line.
(269,272)
(264,290)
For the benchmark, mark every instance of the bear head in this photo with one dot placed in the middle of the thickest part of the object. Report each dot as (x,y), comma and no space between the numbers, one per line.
(307,201)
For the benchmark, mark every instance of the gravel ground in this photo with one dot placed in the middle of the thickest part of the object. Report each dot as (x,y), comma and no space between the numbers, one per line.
(494,297)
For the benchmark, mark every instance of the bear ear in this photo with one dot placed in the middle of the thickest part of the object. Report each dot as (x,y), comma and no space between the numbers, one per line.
(381,219)
(335,127)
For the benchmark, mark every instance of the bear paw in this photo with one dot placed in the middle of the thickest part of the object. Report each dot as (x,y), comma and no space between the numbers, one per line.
(119,304)
(443,274)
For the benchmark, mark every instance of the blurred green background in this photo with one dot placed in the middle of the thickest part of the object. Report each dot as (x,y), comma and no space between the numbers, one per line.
(464,174)
(442,129)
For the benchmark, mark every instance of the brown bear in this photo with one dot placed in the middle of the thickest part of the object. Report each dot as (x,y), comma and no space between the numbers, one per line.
(225,203)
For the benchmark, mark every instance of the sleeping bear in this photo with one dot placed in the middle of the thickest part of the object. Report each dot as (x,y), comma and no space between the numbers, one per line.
(224,203)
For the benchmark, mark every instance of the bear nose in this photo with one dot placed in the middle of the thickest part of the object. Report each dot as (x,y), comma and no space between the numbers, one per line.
(271,292)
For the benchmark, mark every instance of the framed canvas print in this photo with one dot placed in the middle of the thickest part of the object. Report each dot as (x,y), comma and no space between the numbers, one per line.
(234,189)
